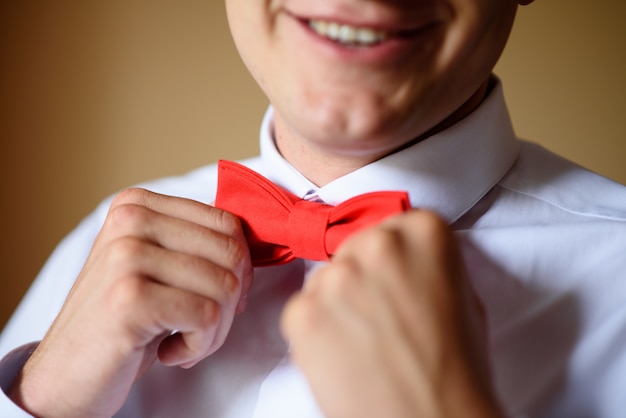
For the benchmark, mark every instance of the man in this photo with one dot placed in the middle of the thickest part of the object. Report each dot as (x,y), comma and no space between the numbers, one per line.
(366,96)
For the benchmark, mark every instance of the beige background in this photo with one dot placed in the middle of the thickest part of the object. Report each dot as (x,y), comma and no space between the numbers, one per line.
(95,96)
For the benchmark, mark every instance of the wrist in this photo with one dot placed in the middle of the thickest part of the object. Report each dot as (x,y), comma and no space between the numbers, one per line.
(30,392)
(472,396)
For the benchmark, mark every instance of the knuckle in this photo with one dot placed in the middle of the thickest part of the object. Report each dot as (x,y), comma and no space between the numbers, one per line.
(228,223)
(207,314)
(128,216)
(301,315)
(234,252)
(342,280)
(130,196)
(423,228)
(432,222)
(435,231)
(428,223)
(122,252)
(381,245)
(125,294)
(231,285)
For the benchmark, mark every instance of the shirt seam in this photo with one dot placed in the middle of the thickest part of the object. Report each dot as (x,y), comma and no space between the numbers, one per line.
(559,206)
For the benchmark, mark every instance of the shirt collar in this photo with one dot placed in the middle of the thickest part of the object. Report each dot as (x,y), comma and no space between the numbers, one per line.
(447,173)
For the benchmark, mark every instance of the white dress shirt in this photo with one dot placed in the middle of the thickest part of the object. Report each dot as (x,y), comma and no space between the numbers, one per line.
(545,245)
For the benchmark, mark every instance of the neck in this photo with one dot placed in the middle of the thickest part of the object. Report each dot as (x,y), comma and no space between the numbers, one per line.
(322,166)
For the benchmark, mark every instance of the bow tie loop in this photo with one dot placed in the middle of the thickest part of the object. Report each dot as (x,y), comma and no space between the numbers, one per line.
(281,227)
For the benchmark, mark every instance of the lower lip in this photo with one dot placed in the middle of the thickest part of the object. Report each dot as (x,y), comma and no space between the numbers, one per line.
(390,51)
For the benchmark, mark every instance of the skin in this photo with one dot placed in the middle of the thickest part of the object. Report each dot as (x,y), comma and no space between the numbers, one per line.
(387,321)
(159,263)
(334,115)
(391,321)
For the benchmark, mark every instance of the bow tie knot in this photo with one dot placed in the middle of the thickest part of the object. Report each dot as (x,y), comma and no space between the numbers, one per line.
(315,217)
(280,226)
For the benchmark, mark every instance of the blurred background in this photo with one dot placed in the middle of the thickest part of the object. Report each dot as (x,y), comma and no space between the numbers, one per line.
(96,96)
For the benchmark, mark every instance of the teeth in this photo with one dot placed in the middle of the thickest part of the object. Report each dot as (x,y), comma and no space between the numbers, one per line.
(346,34)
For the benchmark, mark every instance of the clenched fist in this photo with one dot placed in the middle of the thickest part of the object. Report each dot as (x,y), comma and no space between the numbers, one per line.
(164,279)
(390,327)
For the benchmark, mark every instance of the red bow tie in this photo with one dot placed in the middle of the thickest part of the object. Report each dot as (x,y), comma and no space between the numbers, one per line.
(280,226)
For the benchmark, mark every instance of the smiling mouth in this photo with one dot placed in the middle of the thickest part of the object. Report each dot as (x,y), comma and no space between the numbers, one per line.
(347,34)
(355,36)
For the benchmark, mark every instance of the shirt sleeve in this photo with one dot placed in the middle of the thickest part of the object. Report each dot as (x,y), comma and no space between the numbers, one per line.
(10,366)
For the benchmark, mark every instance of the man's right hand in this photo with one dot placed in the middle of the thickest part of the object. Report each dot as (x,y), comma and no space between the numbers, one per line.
(164,279)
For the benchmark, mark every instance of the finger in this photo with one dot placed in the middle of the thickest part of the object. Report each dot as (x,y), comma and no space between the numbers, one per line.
(223,245)
(136,258)
(416,243)
(409,263)
(343,285)
(438,260)
(152,309)
(175,234)
(182,208)
(434,246)
(338,303)
(308,318)
(425,234)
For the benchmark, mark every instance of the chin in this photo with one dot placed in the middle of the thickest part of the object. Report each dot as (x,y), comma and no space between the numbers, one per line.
(366,140)
(350,124)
